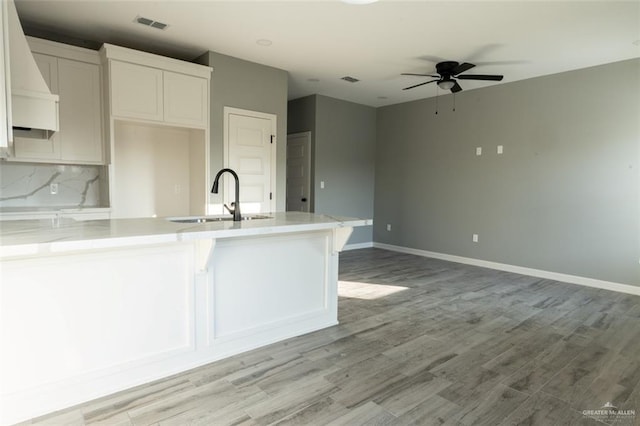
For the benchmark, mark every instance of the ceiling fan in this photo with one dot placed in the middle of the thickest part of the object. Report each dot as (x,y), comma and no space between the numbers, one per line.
(447,70)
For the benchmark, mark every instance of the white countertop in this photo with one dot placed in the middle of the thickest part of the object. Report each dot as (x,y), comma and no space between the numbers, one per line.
(52,209)
(33,237)
(36,213)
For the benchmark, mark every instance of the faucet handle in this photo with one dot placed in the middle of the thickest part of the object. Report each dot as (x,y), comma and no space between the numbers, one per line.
(231,209)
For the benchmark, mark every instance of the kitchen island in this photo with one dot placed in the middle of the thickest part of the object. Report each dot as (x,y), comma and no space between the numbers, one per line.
(94,307)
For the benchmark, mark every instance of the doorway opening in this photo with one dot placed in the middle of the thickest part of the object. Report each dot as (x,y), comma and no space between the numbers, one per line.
(299,197)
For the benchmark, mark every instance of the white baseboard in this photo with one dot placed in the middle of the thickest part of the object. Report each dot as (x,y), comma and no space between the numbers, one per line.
(358,246)
(573,279)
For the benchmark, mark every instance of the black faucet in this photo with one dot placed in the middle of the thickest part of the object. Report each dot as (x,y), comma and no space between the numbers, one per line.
(235,207)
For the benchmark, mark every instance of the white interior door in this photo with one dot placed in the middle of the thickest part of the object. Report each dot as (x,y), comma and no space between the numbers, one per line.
(299,172)
(250,147)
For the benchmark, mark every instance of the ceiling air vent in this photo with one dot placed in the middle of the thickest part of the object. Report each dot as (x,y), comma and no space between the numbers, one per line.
(350,79)
(150,22)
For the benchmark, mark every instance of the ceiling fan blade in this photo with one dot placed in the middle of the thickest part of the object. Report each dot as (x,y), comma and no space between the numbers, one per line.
(421,84)
(480,77)
(421,75)
(431,58)
(456,88)
(465,66)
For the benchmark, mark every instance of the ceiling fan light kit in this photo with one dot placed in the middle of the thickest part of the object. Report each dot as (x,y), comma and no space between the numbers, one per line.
(447,70)
(446,84)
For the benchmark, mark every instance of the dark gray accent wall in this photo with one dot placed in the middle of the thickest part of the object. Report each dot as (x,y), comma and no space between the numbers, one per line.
(301,115)
(242,84)
(564,196)
(343,139)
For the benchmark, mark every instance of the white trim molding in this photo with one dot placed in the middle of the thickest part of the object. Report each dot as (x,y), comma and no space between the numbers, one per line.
(557,276)
(357,246)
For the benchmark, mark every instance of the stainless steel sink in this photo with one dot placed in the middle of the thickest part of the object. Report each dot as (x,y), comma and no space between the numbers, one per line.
(205,219)
(253,217)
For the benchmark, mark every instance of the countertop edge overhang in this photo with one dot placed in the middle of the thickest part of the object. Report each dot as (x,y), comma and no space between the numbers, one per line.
(17,211)
(41,237)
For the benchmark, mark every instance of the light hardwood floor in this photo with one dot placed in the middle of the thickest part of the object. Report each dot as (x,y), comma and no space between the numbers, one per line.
(420,341)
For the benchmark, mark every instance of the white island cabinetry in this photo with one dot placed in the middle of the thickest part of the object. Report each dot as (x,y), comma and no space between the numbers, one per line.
(92,308)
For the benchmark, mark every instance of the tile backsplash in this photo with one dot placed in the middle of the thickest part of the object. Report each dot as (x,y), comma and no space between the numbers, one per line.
(29,185)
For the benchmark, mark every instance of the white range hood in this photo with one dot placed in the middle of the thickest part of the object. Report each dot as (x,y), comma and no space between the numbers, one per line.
(33,106)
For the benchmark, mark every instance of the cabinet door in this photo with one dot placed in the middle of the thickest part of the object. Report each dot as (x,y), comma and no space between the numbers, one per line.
(185,99)
(136,91)
(37,147)
(80,113)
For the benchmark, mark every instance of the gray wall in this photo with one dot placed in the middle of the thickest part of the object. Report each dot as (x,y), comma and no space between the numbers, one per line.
(241,84)
(343,138)
(563,197)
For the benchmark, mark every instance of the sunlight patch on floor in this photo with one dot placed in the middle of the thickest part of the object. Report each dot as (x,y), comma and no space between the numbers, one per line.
(367,291)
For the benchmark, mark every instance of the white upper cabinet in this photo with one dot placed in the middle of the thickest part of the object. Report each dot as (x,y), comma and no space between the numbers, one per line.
(73,74)
(186,99)
(41,149)
(153,88)
(136,91)
(48,66)
(80,112)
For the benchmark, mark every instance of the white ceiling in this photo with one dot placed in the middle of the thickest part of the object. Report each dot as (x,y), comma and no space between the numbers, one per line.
(326,40)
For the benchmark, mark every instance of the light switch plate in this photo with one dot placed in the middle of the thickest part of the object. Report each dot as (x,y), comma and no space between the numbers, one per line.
(479,150)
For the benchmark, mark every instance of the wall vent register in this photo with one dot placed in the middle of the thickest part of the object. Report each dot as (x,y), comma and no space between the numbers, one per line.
(150,22)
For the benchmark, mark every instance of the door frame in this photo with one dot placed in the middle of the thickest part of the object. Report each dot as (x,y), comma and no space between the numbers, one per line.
(307,135)
(227,111)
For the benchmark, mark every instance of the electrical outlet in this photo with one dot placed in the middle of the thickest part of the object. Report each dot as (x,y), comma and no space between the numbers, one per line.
(321,184)
(388,227)
(53,188)
(475,238)
(479,150)
(500,150)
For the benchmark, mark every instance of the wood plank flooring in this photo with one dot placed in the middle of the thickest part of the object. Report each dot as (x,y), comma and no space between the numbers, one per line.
(420,342)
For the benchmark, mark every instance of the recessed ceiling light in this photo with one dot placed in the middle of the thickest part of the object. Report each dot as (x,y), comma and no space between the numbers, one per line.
(264,42)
